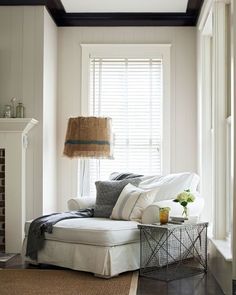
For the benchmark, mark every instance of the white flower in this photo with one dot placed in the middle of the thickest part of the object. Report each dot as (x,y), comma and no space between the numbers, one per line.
(185,197)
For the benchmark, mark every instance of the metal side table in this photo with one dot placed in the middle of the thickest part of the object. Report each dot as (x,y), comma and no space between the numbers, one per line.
(169,252)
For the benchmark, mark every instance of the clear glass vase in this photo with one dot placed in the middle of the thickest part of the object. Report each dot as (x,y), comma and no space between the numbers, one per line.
(7,111)
(185,212)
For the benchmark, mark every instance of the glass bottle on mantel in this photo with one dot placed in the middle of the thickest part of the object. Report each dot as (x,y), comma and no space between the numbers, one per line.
(7,111)
(20,110)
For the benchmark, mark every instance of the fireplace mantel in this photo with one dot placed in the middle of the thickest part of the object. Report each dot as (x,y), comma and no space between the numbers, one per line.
(17,124)
(13,139)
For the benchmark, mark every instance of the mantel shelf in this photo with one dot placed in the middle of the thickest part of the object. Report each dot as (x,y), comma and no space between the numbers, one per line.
(22,125)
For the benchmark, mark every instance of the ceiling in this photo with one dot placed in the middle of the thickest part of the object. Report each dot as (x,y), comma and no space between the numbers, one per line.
(125,6)
(118,12)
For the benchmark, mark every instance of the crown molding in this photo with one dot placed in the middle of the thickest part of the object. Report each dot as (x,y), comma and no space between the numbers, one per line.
(62,18)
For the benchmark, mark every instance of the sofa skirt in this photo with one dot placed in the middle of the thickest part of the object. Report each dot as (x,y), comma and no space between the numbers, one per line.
(104,261)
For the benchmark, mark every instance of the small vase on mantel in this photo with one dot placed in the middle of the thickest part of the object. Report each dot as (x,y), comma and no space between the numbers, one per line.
(20,110)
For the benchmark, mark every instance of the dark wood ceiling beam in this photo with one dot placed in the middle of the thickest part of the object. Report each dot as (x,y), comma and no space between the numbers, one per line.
(56,9)
(125,19)
(61,18)
(194,7)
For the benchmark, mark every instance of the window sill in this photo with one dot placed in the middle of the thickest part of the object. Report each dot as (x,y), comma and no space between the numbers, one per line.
(224,247)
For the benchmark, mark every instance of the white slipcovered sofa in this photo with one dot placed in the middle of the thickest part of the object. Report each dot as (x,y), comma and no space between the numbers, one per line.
(108,247)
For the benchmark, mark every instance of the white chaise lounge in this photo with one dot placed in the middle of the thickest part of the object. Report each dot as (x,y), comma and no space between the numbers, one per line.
(103,246)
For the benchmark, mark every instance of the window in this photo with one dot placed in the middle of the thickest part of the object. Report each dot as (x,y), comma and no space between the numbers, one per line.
(130,90)
(215,128)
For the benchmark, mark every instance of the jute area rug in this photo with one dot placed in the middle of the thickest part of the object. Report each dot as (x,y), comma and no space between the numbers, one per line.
(64,282)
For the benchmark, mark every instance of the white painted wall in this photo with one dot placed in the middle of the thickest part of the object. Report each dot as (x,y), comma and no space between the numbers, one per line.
(183,91)
(49,115)
(21,76)
(28,66)
(28,71)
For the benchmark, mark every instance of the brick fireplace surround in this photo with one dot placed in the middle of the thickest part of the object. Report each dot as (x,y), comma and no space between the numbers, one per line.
(2,200)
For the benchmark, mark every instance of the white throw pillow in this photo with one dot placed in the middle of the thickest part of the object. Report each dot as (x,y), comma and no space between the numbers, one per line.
(171,185)
(151,213)
(131,203)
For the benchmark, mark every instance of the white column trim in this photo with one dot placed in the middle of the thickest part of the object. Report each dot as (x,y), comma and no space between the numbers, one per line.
(205,130)
(233,130)
(219,115)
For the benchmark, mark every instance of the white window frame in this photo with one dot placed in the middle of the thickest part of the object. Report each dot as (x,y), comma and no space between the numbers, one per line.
(205,130)
(212,27)
(132,51)
(229,180)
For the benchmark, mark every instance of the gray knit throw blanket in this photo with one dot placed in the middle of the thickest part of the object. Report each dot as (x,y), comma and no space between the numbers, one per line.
(42,224)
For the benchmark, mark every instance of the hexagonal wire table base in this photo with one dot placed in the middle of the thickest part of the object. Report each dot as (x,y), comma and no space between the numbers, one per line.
(171,252)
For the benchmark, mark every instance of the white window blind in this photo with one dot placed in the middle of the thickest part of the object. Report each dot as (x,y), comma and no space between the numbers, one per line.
(130,91)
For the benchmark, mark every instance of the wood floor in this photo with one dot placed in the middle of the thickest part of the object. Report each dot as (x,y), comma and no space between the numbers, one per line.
(196,285)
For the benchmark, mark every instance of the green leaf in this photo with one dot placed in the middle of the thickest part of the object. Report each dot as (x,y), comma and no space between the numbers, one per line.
(184,204)
(177,201)
(189,200)
(187,190)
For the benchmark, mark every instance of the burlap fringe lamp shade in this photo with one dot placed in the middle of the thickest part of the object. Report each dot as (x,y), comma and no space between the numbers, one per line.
(89,137)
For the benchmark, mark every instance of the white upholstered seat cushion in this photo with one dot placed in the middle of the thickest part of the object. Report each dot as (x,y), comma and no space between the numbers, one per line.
(93,231)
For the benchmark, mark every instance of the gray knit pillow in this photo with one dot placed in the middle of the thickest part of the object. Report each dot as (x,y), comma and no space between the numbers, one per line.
(108,193)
